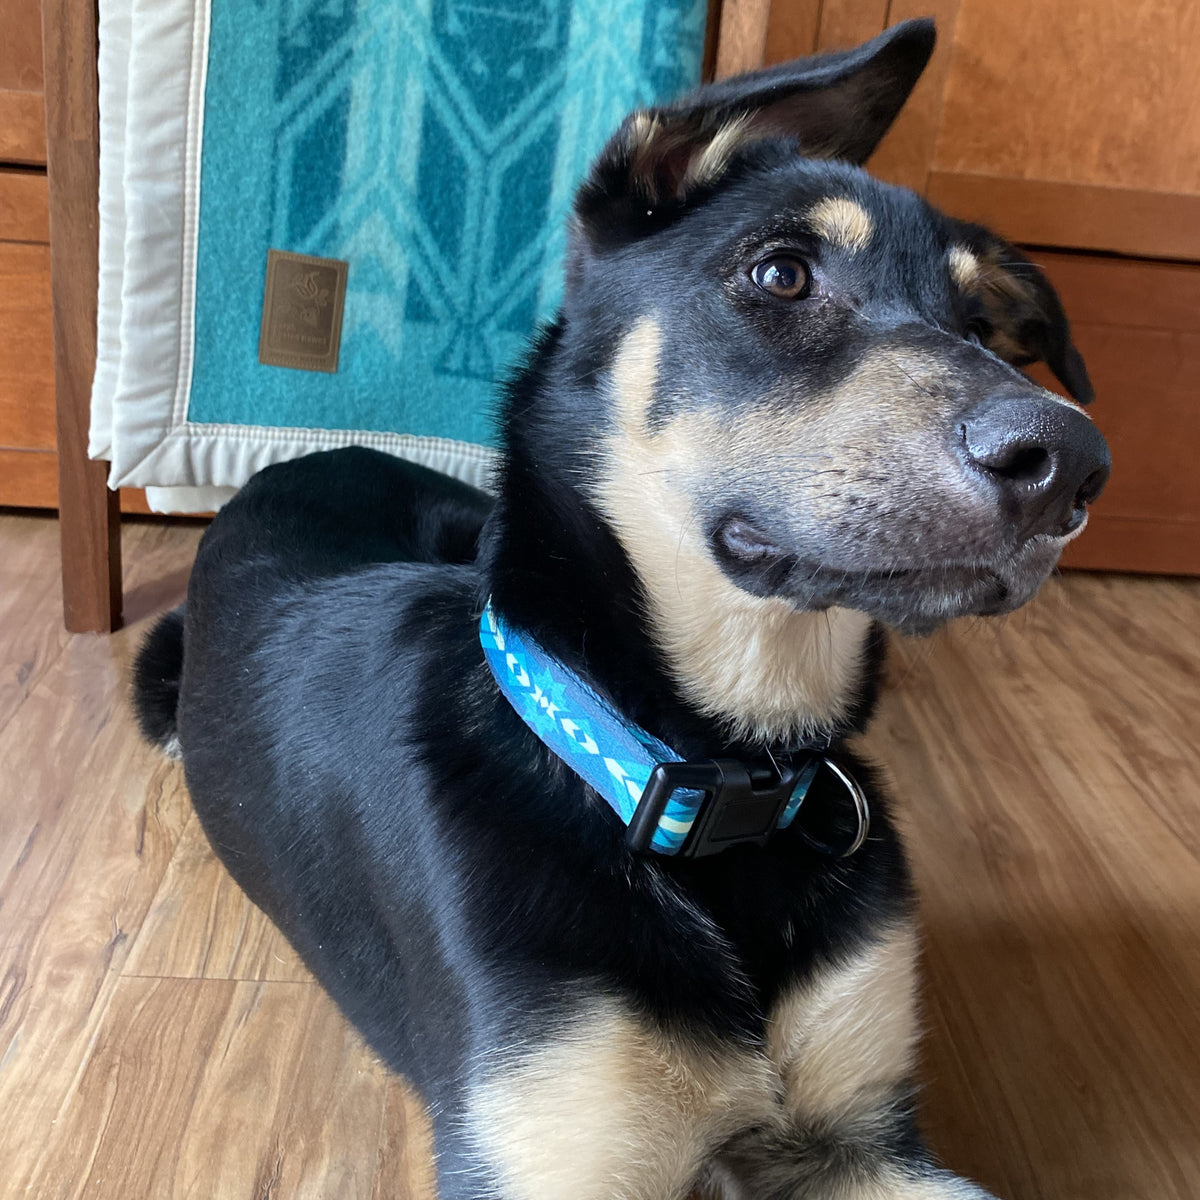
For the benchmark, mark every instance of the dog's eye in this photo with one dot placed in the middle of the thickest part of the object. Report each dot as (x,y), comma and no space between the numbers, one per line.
(784,276)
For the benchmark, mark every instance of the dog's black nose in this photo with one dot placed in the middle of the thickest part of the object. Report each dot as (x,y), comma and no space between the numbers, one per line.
(1048,459)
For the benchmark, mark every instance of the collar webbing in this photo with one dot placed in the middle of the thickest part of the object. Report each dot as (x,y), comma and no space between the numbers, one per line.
(618,757)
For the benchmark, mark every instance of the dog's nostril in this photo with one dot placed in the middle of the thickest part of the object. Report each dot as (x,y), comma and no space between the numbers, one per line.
(1011,456)
(1027,464)
(1093,485)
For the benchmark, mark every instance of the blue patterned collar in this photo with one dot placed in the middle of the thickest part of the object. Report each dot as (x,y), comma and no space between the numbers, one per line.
(669,805)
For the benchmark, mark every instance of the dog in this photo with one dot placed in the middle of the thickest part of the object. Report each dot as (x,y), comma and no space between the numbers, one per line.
(779,412)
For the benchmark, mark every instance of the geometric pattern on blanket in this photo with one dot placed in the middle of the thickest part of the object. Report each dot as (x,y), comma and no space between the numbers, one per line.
(432,144)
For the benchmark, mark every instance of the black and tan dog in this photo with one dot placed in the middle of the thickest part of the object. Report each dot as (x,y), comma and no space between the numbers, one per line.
(777,410)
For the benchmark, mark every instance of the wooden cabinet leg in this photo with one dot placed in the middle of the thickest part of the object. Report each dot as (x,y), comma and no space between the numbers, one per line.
(89,521)
(89,514)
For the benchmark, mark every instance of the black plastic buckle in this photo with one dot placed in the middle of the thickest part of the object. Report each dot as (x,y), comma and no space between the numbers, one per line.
(742,804)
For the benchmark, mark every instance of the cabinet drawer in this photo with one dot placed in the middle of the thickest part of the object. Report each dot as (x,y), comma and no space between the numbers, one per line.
(24,206)
(1137,324)
(29,479)
(28,457)
(22,127)
(26,347)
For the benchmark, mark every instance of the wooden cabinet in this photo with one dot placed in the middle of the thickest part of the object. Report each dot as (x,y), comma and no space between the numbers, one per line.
(28,450)
(27,458)
(1073,128)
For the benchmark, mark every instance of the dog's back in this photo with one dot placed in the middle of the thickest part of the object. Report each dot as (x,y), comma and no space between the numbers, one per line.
(321,515)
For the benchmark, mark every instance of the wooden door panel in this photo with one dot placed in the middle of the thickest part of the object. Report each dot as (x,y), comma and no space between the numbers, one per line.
(1137,324)
(22,112)
(1158,547)
(846,23)
(800,27)
(24,206)
(28,459)
(1059,122)
(29,479)
(905,154)
(21,45)
(1147,384)
(792,30)
(26,348)
(1101,92)
(22,128)
(1106,290)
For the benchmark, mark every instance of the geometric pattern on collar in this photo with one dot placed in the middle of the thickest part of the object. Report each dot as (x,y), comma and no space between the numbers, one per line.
(614,755)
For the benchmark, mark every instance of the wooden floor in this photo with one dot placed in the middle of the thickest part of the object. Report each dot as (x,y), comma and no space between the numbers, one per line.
(159,1039)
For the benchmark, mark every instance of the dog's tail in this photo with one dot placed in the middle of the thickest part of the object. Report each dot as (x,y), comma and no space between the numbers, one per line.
(156,674)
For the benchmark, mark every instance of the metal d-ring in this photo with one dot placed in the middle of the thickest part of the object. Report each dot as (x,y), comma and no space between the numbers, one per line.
(862,812)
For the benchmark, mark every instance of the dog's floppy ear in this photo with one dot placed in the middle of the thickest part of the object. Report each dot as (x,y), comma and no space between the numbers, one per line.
(1020,315)
(834,105)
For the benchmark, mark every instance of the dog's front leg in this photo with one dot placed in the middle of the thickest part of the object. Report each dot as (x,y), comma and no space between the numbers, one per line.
(609,1105)
(842,1041)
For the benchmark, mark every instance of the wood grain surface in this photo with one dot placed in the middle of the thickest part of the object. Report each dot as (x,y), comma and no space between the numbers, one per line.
(1101,92)
(904,155)
(845,23)
(792,29)
(21,45)
(22,127)
(24,205)
(22,115)
(1080,216)
(29,479)
(1137,323)
(89,514)
(1051,778)
(741,36)
(26,349)
(159,1039)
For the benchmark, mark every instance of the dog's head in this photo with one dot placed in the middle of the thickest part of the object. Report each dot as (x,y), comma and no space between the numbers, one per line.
(809,377)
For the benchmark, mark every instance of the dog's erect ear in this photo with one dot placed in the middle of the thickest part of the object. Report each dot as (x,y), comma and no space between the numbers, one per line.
(834,106)
(1021,317)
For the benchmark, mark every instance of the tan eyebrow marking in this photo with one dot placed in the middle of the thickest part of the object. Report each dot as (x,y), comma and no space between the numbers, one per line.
(842,222)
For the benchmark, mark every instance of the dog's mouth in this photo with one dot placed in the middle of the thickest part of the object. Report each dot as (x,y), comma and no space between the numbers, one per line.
(914,599)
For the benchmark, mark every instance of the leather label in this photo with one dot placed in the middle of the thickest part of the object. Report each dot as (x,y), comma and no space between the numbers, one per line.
(302,311)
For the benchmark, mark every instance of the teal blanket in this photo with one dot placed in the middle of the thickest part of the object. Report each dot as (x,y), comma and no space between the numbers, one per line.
(432,144)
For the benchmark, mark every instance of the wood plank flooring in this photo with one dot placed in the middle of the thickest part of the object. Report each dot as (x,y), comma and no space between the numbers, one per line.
(159,1039)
